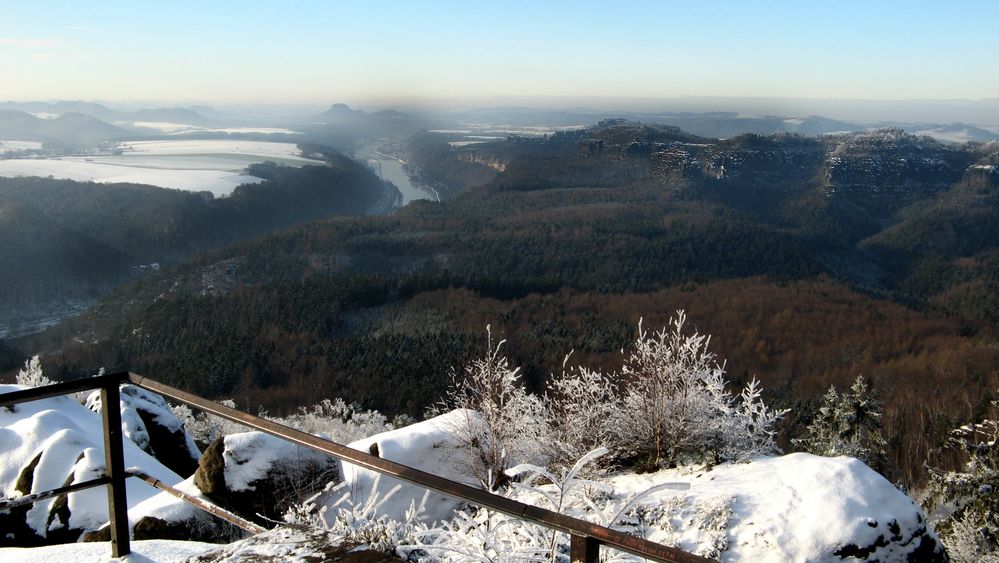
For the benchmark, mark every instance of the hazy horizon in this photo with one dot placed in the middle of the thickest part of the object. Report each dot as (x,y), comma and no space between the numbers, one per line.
(396,54)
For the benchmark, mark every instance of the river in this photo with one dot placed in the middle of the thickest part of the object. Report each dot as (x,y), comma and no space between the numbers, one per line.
(390,169)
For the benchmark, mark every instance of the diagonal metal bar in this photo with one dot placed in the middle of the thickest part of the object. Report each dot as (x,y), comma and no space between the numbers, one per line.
(596,534)
(203,505)
(35,497)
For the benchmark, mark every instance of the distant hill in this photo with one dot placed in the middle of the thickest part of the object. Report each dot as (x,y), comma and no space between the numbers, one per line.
(814,125)
(70,129)
(958,133)
(355,125)
(93,109)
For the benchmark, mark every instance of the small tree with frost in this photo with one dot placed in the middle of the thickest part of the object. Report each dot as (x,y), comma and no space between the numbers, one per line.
(507,424)
(669,404)
(675,405)
(848,424)
(752,426)
(580,404)
(31,374)
(965,504)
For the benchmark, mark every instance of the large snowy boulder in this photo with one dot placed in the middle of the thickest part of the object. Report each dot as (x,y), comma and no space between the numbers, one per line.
(54,442)
(259,476)
(430,446)
(798,507)
(148,421)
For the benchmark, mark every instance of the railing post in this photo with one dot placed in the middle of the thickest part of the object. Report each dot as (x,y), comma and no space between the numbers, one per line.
(583,549)
(114,462)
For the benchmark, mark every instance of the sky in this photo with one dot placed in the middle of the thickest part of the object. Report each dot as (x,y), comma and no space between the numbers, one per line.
(409,52)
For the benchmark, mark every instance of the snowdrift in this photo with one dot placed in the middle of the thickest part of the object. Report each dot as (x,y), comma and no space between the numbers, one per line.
(797,507)
(430,446)
(54,442)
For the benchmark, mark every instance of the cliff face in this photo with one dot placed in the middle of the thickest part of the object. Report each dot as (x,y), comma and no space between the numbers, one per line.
(890,162)
(769,162)
(874,164)
(981,176)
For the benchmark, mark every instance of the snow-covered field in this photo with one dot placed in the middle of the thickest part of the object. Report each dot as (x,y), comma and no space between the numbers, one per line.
(196,165)
(949,136)
(184,128)
(11,146)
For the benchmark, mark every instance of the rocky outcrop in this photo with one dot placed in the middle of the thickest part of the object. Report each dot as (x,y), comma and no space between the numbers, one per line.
(891,163)
(981,176)
(259,477)
(147,421)
(797,507)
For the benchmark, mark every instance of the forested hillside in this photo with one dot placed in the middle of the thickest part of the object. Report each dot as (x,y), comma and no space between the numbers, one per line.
(808,259)
(62,240)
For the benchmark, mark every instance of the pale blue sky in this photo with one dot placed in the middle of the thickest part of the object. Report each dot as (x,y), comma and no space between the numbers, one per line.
(408,51)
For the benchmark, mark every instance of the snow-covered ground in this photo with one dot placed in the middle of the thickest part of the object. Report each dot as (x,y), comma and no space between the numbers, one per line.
(171,128)
(796,507)
(64,442)
(950,136)
(160,551)
(195,165)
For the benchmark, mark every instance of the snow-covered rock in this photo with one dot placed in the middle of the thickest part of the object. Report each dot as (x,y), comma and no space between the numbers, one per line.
(252,473)
(147,420)
(430,446)
(797,507)
(54,442)
(165,516)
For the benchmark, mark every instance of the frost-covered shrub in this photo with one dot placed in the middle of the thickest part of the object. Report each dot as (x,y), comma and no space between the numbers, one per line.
(511,425)
(580,404)
(669,404)
(337,421)
(31,374)
(675,406)
(965,504)
(482,535)
(336,510)
(751,427)
(848,424)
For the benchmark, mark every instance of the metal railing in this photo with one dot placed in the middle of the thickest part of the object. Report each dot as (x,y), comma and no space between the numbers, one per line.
(585,537)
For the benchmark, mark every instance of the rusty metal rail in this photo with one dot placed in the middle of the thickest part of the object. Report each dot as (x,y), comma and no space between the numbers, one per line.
(203,505)
(585,537)
(7,504)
